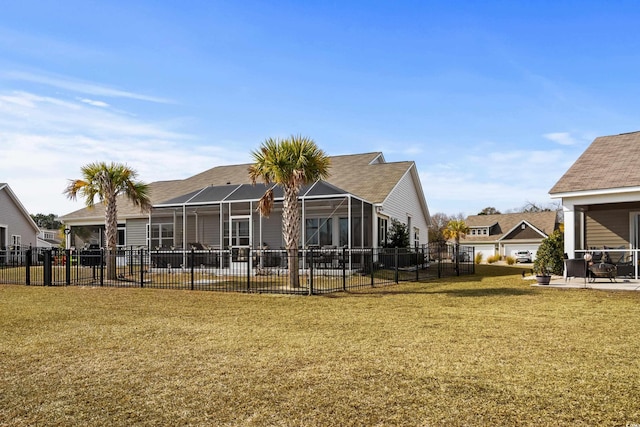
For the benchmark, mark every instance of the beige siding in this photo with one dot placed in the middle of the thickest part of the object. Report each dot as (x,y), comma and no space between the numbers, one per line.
(607,228)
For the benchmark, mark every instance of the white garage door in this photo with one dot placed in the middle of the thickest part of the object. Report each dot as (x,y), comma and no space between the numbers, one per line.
(485,250)
(510,250)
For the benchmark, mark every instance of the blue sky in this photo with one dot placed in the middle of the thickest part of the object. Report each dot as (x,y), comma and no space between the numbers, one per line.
(493,100)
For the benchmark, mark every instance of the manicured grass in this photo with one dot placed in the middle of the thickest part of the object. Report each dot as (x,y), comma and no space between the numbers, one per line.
(482,350)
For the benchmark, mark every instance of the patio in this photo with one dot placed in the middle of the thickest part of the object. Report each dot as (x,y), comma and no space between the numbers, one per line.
(621,284)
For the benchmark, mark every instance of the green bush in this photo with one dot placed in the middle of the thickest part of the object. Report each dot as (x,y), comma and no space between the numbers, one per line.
(510,260)
(550,255)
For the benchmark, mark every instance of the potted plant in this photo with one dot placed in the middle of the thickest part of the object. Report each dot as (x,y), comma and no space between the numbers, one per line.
(543,276)
(549,258)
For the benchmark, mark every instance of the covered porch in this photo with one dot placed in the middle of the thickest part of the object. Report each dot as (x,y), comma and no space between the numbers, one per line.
(607,227)
(224,220)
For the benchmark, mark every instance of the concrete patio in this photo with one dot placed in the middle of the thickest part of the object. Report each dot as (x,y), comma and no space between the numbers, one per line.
(621,283)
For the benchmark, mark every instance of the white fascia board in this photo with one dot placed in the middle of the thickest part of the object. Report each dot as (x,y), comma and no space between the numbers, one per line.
(600,196)
(596,193)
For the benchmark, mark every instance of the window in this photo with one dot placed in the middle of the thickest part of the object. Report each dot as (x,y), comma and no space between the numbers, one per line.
(416,236)
(161,236)
(318,231)
(16,241)
(120,238)
(382,231)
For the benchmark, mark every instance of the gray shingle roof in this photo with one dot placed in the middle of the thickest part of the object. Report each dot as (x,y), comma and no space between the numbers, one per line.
(609,162)
(543,221)
(362,175)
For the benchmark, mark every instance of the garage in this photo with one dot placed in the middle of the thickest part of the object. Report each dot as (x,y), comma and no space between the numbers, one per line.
(512,248)
(485,250)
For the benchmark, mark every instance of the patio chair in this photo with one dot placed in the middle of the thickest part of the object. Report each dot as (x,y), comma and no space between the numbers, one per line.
(622,261)
(576,268)
(596,254)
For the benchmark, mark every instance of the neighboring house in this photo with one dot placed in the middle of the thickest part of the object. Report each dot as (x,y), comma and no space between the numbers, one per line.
(17,228)
(600,196)
(49,239)
(217,209)
(505,234)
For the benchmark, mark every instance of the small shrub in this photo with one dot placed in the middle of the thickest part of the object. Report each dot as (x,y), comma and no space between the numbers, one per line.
(550,255)
(493,258)
(510,260)
(478,258)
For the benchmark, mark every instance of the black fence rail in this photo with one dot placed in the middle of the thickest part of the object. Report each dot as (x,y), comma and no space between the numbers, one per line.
(320,271)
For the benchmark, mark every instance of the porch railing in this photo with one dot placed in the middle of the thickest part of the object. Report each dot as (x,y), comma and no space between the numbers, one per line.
(236,270)
(625,260)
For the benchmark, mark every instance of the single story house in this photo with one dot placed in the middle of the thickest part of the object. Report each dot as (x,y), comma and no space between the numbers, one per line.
(17,228)
(505,234)
(217,209)
(600,196)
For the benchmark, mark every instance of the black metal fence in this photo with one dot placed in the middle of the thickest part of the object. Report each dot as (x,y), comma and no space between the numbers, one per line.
(237,270)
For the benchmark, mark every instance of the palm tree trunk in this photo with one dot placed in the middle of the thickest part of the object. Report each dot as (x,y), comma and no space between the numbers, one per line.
(111,231)
(291,231)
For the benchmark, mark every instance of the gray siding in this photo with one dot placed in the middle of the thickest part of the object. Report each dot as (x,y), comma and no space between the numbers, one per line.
(136,232)
(13,218)
(271,231)
(404,202)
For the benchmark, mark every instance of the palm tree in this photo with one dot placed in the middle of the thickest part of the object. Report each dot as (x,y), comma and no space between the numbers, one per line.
(289,163)
(456,230)
(107,182)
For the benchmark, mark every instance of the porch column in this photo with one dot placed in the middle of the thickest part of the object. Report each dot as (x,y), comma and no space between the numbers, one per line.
(569,228)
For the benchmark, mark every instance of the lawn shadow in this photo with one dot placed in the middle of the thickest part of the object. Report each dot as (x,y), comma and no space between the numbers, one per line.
(486,292)
(468,292)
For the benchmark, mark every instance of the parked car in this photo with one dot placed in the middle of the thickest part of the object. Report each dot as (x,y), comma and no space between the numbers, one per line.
(462,257)
(523,256)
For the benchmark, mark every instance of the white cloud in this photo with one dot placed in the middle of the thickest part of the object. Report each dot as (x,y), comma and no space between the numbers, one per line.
(94,102)
(562,138)
(79,86)
(44,141)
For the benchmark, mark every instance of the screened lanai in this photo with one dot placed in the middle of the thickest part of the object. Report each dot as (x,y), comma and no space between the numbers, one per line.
(225,217)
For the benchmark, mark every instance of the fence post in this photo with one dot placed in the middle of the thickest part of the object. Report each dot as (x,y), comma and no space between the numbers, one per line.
(372,267)
(344,268)
(46,272)
(395,256)
(456,253)
(129,254)
(473,260)
(141,268)
(101,267)
(67,266)
(417,261)
(249,255)
(311,271)
(27,273)
(192,259)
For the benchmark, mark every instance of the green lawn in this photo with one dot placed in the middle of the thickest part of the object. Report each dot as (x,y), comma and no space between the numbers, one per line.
(480,350)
